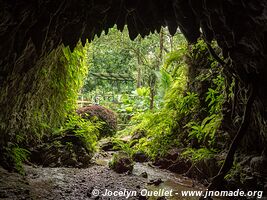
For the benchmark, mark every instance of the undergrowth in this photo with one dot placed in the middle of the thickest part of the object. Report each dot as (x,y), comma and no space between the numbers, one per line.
(198,154)
(190,111)
(86,130)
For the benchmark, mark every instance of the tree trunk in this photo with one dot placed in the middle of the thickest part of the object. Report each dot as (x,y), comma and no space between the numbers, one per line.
(139,74)
(153,82)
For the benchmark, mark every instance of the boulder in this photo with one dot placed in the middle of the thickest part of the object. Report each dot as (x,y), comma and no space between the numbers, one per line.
(121,162)
(258,166)
(204,169)
(173,162)
(155,182)
(66,150)
(138,135)
(106,145)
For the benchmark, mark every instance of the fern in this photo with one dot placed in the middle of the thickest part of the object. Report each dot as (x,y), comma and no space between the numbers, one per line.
(19,155)
(85,129)
(198,154)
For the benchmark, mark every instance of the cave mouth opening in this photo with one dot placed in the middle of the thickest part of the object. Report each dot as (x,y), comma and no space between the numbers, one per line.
(47,92)
(128,75)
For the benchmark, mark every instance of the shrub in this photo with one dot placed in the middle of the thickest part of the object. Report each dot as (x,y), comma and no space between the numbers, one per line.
(100,114)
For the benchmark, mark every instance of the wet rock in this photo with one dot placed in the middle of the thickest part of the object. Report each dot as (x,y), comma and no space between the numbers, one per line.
(180,166)
(107,146)
(155,182)
(67,149)
(121,163)
(173,162)
(140,157)
(204,169)
(169,158)
(258,166)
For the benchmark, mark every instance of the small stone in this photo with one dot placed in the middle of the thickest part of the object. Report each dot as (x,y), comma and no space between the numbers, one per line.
(155,182)
(144,174)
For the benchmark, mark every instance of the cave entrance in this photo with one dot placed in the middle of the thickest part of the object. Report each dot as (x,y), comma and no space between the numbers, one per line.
(130,77)
(39,81)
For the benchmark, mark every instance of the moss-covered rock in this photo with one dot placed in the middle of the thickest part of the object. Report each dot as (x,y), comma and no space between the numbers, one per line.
(68,150)
(121,162)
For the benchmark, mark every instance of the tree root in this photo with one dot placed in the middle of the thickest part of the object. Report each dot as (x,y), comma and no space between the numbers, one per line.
(228,163)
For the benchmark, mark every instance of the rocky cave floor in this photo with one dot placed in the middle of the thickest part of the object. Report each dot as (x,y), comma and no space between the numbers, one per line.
(64,183)
(78,184)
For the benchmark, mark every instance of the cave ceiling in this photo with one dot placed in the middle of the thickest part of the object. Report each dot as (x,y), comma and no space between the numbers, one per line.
(29,29)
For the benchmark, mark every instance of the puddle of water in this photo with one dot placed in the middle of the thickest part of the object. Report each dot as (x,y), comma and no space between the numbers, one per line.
(171,181)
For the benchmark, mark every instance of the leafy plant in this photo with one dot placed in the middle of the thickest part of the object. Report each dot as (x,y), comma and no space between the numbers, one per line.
(216,97)
(43,105)
(198,154)
(205,131)
(19,155)
(122,145)
(88,131)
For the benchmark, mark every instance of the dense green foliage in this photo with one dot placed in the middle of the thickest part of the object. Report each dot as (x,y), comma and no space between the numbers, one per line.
(142,59)
(86,130)
(190,111)
(184,85)
(53,93)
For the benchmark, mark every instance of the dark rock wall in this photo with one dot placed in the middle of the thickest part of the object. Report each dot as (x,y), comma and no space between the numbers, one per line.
(30,29)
